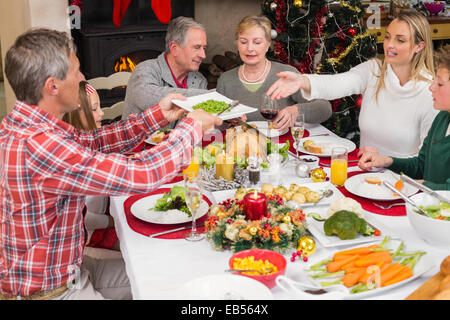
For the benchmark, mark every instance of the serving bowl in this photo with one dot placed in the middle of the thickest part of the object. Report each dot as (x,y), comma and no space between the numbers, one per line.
(262,254)
(434,7)
(433,231)
(311,161)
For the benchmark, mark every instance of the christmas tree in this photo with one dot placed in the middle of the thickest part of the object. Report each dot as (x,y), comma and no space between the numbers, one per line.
(326,37)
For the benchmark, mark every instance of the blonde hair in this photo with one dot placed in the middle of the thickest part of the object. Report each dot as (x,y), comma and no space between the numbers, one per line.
(74,118)
(422,61)
(255,21)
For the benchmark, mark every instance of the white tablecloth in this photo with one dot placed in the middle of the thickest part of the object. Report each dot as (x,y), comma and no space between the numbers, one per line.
(157,268)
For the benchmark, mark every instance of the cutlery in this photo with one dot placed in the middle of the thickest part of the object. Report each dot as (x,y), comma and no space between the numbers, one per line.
(424,188)
(249,270)
(404,197)
(245,124)
(318,135)
(174,230)
(388,206)
(231,105)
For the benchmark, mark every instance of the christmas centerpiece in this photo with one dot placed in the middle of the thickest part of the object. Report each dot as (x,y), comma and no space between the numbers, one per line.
(254,219)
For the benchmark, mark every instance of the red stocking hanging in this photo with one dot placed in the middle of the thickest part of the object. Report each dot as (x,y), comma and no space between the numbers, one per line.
(120,8)
(163,10)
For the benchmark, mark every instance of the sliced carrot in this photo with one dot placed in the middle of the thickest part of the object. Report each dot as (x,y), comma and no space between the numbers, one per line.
(373,258)
(390,272)
(359,251)
(334,266)
(398,185)
(404,273)
(352,278)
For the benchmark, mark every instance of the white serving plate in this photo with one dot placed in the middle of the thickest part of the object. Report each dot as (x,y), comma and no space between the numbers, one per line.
(224,287)
(425,263)
(353,184)
(329,142)
(140,209)
(235,112)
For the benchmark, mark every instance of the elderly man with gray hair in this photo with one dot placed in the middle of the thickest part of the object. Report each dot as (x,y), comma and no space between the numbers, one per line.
(175,70)
(47,168)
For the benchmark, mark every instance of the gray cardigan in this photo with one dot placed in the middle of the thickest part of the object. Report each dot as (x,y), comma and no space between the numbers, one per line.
(151,80)
(228,84)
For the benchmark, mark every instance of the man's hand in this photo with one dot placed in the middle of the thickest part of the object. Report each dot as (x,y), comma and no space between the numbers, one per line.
(371,160)
(367,149)
(170,111)
(207,120)
(288,84)
(285,118)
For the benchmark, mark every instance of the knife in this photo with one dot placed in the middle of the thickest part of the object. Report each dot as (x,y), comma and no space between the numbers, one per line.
(174,230)
(405,197)
(424,188)
(245,124)
(232,104)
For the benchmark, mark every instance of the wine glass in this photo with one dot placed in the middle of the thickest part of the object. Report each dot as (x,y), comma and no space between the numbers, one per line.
(297,130)
(194,198)
(269,110)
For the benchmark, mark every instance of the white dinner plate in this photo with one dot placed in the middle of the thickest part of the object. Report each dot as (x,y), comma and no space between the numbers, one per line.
(327,144)
(224,287)
(316,228)
(270,133)
(357,186)
(425,263)
(149,139)
(315,186)
(235,112)
(140,209)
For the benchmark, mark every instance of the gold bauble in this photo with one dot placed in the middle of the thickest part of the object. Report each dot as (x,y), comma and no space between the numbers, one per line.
(318,175)
(252,230)
(286,219)
(298,3)
(307,245)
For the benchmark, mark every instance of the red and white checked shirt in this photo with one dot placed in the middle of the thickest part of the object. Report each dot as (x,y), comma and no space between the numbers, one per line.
(47,168)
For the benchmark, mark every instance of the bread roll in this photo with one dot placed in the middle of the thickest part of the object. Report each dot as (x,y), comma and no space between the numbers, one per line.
(445,266)
(373,180)
(445,284)
(443,295)
(314,149)
(157,138)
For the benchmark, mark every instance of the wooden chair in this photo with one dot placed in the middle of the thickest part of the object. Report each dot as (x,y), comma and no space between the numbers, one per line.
(118,79)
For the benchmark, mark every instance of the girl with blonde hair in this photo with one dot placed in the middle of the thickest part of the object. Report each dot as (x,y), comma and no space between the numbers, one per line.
(397,107)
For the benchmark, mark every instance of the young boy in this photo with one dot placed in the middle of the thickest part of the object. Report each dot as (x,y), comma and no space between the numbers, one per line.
(433,161)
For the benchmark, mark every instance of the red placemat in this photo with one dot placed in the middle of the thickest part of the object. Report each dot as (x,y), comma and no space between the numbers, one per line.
(367,204)
(147,228)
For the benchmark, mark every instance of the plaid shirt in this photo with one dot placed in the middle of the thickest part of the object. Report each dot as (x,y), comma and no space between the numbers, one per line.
(47,168)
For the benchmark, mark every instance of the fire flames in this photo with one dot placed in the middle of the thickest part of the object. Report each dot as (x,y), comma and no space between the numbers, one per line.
(124,64)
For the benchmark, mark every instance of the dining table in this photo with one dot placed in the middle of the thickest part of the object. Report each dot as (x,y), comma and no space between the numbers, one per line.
(158,267)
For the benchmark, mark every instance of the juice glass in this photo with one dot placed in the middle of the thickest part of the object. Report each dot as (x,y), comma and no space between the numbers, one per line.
(193,167)
(339,156)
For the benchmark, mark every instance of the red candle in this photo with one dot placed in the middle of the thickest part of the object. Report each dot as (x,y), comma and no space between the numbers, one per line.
(255,205)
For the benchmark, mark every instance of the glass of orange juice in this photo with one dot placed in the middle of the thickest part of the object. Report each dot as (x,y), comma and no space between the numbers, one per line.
(339,157)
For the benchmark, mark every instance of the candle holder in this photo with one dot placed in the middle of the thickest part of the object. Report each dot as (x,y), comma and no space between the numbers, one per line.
(255,205)
(225,166)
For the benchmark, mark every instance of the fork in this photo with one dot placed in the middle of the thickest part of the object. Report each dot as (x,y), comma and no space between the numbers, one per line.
(388,206)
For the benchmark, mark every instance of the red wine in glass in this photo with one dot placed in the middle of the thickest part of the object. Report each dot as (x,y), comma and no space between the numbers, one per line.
(269,114)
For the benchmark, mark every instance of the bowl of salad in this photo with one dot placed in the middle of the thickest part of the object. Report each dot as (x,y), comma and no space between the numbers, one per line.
(434,228)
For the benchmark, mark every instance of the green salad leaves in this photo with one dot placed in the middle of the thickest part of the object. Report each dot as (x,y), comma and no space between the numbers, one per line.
(174,199)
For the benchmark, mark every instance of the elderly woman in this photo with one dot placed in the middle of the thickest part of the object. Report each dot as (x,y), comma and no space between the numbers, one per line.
(397,107)
(249,82)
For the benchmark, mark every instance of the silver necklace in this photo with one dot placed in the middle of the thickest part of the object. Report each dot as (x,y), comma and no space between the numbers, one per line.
(260,77)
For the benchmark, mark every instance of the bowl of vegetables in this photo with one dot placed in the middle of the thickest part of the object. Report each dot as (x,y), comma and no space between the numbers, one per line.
(434,228)
(266,265)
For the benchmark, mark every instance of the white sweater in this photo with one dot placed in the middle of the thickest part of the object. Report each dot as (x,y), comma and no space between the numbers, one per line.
(398,123)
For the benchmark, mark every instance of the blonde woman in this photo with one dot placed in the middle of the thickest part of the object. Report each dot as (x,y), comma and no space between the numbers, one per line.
(249,82)
(397,107)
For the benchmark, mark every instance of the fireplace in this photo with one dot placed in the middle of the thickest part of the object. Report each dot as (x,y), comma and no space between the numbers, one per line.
(103,48)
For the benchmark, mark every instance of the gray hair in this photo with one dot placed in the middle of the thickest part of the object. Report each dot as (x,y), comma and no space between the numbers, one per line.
(177,30)
(37,55)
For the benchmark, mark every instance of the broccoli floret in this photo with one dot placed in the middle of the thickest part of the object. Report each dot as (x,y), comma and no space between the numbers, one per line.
(345,224)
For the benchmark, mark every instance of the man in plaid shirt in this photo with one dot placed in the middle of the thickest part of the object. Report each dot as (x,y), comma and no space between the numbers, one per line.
(47,168)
